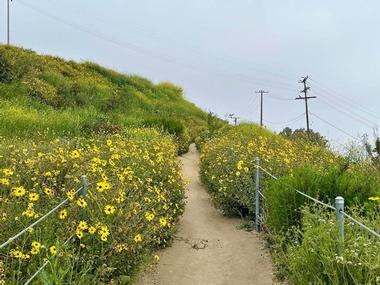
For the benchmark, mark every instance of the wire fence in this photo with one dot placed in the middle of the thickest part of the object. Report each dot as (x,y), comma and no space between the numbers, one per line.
(82,192)
(339,206)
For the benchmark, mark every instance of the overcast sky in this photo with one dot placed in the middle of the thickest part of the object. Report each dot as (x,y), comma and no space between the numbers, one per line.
(221,51)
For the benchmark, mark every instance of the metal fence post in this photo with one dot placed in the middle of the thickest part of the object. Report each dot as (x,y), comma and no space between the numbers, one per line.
(257,209)
(82,194)
(84,182)
(339,206)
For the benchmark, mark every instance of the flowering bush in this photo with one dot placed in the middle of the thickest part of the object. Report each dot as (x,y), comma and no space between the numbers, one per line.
(133,202)
(228,163)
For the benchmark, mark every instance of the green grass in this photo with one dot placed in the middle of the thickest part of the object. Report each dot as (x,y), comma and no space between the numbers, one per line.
(45,94)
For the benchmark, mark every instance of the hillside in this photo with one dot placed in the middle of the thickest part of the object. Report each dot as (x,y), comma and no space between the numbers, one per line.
(45,94)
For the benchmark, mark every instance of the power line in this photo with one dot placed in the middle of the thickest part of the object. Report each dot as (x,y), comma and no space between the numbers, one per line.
(352,115)
(252,104)
(344,100)
(280,99)
(293,120)
(335,127)
(232,59)
(350,111)
(138,49)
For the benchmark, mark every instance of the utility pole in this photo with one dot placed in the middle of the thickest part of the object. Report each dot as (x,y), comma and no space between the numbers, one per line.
(234,118)
(261,92)
(305,89)
(8,22)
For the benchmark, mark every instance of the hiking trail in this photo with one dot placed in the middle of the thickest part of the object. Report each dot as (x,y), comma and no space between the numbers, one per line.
(208,248)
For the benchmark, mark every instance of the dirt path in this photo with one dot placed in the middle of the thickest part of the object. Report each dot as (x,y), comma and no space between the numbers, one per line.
(209,249)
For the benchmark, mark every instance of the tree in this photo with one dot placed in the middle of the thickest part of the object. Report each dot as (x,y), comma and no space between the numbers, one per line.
(304,135)
(373,152)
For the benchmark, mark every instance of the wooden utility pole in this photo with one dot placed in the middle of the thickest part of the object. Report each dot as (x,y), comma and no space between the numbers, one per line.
(8,22)
(261,92)
(234,118)
(305,89)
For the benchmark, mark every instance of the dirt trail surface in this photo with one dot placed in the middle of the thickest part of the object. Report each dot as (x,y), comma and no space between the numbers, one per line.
(208,248)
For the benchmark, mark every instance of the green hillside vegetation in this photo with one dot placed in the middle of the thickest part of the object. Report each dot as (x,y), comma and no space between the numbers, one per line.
(45,94)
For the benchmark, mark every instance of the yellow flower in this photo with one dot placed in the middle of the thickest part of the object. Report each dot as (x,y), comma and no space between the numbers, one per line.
(149,216)
(79,233)
(138,238)
(29,213)
(82,203)
(7,172)
(156,257)
(53,249)
(18,191)
(63,214)
(109,142)
(16,253)
(25,256)
(4,181)
(163,222)
(91,230)
(119,248)
(70,195)
(104,231)
(33,197)
(35,250)
(75,154)
(82,225)
(103,237)
(36,244)
(109,210)
(96,160)
(377,198)
(48,191)
(102,186)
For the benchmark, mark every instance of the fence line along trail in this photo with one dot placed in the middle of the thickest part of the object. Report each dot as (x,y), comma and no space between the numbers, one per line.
(208,248)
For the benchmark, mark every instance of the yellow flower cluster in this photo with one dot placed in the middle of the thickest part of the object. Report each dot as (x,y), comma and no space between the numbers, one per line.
(135,194)
(229,161)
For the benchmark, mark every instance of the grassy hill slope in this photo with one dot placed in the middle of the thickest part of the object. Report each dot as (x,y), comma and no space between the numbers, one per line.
(45,94)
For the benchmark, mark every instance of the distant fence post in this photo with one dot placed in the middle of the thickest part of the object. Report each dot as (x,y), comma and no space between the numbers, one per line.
(84,182)
(257,214)
(339,206)
(83,192)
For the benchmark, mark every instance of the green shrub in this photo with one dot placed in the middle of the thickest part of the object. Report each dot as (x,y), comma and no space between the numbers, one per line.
(6,75)
(312,255)
(283,204)
(41,90)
